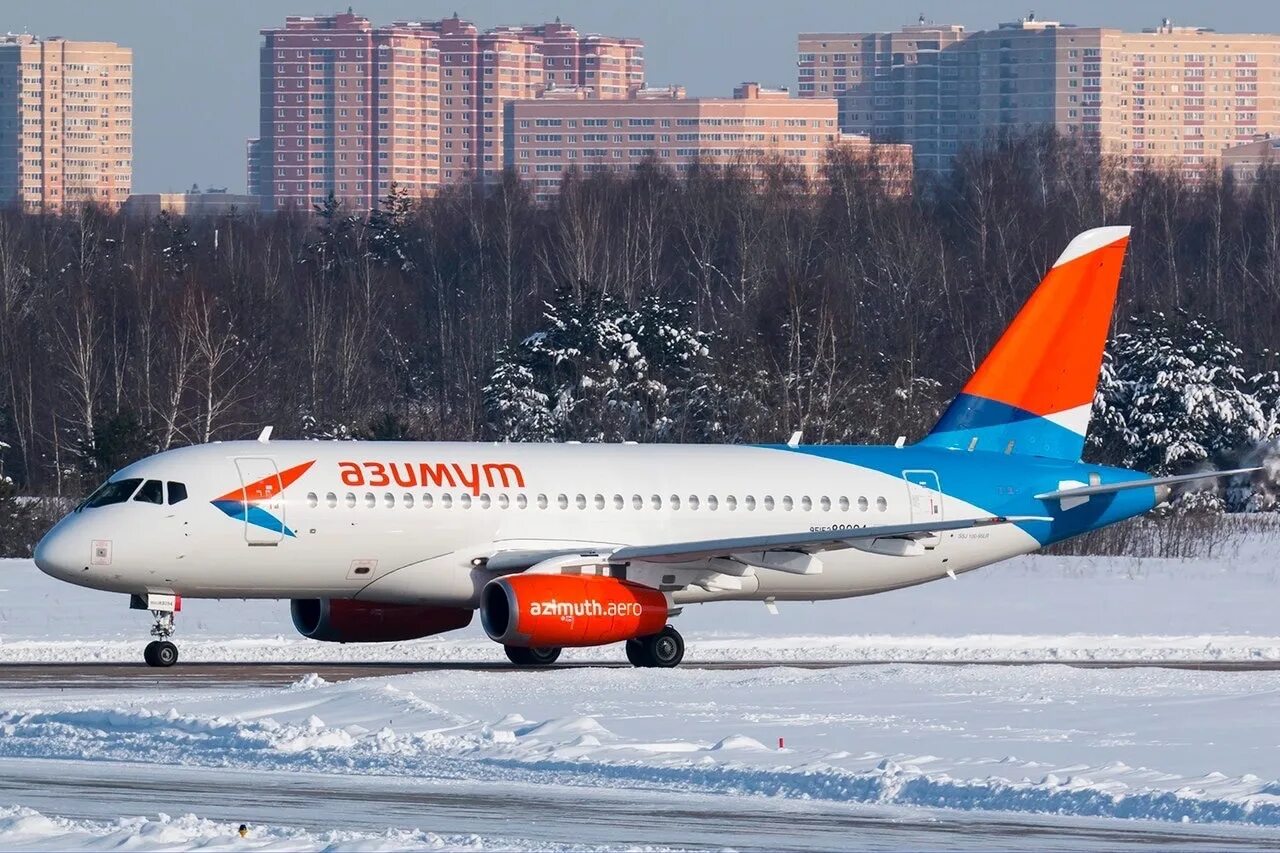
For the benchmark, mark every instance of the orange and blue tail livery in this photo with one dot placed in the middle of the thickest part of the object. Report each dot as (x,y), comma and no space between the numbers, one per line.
(1034,391)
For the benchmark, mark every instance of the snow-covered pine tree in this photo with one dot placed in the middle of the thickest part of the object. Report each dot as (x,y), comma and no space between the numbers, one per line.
(1173,394)
(600,370)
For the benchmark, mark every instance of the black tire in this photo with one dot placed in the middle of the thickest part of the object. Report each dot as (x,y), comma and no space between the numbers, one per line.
(635,653)
(521,656)
(664,649)
(161,653)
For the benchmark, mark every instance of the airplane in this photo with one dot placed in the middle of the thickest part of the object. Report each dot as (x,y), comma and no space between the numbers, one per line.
(571,545)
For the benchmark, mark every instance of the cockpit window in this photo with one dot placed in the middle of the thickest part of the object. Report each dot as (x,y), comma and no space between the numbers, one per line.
(150,493)
(177,492)
(113,493)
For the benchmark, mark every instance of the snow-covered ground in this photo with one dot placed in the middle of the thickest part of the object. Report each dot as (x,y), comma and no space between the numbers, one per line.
(1041,743)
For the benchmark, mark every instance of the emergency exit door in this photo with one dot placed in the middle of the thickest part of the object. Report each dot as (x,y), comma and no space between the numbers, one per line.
(263,506)
(924,496)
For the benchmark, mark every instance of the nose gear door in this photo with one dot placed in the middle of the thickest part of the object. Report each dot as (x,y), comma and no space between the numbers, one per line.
(264,522)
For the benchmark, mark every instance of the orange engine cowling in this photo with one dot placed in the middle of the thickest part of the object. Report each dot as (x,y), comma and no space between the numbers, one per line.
(340,620)
(541,611)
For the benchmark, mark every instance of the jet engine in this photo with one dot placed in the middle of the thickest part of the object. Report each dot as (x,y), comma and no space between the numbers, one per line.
(542,611)
(338,620)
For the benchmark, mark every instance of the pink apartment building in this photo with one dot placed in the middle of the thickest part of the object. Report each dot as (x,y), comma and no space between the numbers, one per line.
(66,123)
(351,109)
(566,130)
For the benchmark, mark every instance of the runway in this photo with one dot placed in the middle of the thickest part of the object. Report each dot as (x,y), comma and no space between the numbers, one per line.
(74,675)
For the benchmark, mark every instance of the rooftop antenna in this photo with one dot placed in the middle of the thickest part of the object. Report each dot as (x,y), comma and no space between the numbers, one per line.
(922,19)
(1031,16)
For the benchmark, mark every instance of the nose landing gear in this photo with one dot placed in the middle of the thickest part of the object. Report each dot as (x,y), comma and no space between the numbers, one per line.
(159,652)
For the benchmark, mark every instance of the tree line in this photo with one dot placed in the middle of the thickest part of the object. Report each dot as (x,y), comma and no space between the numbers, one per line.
(717,305)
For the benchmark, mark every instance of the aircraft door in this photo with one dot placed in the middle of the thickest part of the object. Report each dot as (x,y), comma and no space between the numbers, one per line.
(264,522)
(924,496)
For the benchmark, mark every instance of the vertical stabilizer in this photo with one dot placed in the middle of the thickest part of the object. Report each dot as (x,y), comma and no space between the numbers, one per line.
(1034,391)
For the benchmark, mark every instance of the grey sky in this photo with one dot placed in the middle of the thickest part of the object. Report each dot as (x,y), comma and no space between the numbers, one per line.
(196,64)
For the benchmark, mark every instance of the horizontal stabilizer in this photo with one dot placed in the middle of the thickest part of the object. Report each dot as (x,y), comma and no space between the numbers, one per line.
(1111,488)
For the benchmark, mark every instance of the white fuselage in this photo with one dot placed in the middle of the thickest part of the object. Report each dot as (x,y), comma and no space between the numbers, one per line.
(412,522)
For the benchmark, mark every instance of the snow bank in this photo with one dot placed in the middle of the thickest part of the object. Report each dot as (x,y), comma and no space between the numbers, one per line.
(1142,744)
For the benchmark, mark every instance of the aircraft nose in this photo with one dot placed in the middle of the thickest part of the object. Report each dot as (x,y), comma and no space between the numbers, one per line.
(62,553)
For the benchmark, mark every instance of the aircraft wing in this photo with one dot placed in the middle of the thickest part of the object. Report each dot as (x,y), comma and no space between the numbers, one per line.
(809,543)
(533,558)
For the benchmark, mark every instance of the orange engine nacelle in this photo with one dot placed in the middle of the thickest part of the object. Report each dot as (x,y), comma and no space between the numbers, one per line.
(542,611)
(340,620)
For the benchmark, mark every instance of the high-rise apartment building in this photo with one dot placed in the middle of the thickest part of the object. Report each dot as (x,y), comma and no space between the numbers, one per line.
(66,123)
(549,136)
(1168,96)
(351,109)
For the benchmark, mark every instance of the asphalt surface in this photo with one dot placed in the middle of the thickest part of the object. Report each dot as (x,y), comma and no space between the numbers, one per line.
(200,674)
(523,815)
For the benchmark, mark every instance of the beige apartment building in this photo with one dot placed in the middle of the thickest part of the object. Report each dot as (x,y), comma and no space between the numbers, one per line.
(66,123)
(1171,96)
(351,109)
(549,136)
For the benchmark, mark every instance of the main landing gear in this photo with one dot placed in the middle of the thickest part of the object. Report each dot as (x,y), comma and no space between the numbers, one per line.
(664,649)
(521,656)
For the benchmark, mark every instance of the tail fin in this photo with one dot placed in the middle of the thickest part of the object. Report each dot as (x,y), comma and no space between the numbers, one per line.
(1034,391)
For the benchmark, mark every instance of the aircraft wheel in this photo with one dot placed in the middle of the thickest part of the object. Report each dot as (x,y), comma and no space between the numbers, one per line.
(521,656)
(664,649)
(635,653)
(161,653)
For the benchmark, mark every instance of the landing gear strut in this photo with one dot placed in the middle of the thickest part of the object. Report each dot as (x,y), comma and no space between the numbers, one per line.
(664,649)
(521,656)
(161,652)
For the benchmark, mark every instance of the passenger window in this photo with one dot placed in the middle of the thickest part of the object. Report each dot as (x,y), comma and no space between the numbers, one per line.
(730,503)
(485,501)
(446,501)
(844,504)
(637,502)
(656,501)
(786,503)
(408,500)
(503,501)
(806,504)
(825,503)
(862,504)
(150,493)
(464,500)
(881,503)
(369,500)
(178,493)
(350,500)
(693,501)
(599,501)
(562,501)
(619,502)
(522,501)
(580,501)
(675,501)
(313,500)
(768,502)
(331,500)
(427,500)
(388,500)
(542,501)
(712,502)
(750,503)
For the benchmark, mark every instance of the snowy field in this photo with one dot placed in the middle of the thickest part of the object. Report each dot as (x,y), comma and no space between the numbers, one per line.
(884,755)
